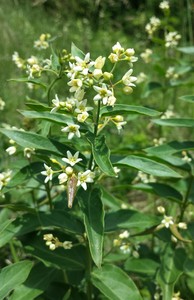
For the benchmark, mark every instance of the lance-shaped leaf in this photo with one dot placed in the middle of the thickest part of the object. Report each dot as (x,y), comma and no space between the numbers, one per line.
(149,166)
(75,51)
(93,211)
(71,259)
(127,219)
(115,284)
(145,266)
(175,122)
(45,115)
(187,98)
(170,148)
(171,267)
(12,276)
(101,154)
(37,282)
(186,50)
(34,140)
(30,80)
(160,189)
(120,109)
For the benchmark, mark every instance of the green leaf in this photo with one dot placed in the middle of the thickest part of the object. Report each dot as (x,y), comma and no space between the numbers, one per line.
(175,122)
(39,279)
(186,50)
(33,140)
(145,266)
(55,62)
(73,259)
(26,79)
(126,109)
(148,165)
(12,276)
(127,219)
(109,200)
(101,154)
(75,51)
(44,115)
(171,268)
(150,87)
(187,98)
(114,283)
(94,222)
(58,219)
(160,189)
(170,148)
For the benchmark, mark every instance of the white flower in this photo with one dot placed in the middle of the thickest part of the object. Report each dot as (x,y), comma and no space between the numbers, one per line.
(18,60)
(141,77)
(83,65)
(2,104)
(57,104)
(5,178)
(42,43)
(67,245)
(84,178)
(103,93)
(72,159)
(185,157)
(171,73)
(128,79)
(62,178)
(171,39)
(81,107)
(72,129)
(153,25)
(124,235)
(82,117)
(11,150)
(164,5)
(182,225)
(146,55)
(99,62)
(75,84)
(167,221)
(32,60)
(28,152)
(48,173)
(125,248)
(117,48)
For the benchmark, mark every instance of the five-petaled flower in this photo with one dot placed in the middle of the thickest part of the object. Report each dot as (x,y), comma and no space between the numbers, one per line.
(72,159)
(84,178)
(48,173)
(103,93)
(71,129)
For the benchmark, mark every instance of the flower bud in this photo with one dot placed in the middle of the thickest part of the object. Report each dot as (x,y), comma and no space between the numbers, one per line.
(127,90)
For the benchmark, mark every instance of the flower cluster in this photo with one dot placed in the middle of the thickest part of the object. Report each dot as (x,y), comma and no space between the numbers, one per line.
(143,177)
(171,73)
(2,104)
(5,177)
(125,245)
(168,113)
(147,55)
(152,26)
(68,172)
(171,39)
(164,5)
(53,242)
(43,41)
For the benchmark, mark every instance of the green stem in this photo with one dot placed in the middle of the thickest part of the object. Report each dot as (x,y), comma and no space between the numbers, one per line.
(48,191)
(88,274)
(95,133)
(186,199)
(13,252)
(189,17)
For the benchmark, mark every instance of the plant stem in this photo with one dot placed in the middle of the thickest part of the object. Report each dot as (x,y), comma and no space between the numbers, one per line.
(88,273)
(186,199)
(13,252)
(48,191)
(95,133)
(189,18)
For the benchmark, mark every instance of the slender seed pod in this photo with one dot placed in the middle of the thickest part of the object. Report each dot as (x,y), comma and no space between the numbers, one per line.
(71,189)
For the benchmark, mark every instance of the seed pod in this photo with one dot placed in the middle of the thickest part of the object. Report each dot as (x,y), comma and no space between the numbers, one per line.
(71,189)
